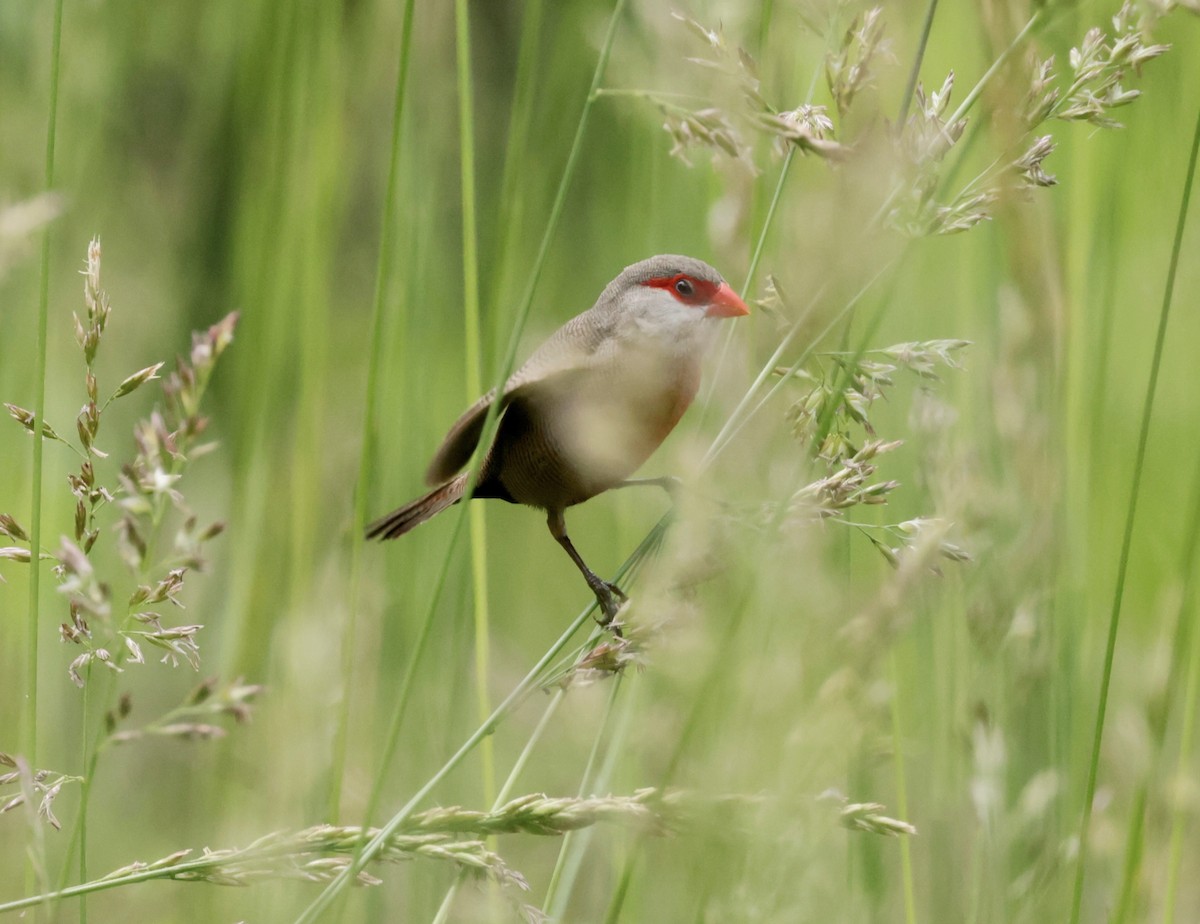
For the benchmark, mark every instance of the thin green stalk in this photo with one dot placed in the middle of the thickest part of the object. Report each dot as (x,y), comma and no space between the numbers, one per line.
(764,25)
(1185,662)
(84,801)
(753,269)
(372,848)
(102,885)
(736,420)
(471,331)
(515,697)
(511,210)
(90,759)
(335,888)
(910,902)
(617,902)
(383,274)
(740,416)
(1127,539)
(502,796)
(29,714)
(1133,848)
(914,72)
(574,843)
(489,429)
(30,711)
(969,101)
(410,670)
(1179,817)
(33,618)
(965,106)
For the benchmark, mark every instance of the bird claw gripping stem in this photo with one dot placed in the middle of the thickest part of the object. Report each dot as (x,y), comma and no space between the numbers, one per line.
(611,599)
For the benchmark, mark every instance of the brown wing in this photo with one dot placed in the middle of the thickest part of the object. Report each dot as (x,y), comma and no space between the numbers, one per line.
(581,342)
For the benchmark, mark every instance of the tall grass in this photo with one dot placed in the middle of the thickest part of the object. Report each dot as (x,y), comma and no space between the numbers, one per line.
(393,194)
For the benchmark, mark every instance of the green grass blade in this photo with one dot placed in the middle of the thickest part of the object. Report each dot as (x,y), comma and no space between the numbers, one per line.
(29,713)
(1127,537)
(472,339)
(384,271)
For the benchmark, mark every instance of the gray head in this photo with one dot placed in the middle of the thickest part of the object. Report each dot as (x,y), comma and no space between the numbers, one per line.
(672,289)
(666,266)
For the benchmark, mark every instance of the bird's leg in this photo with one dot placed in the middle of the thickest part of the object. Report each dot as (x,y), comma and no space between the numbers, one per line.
(609,596)
(672,485)
(669,483)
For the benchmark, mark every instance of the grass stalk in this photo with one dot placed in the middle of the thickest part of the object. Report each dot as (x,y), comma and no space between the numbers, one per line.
(511,210)
(473,376)
(489,430)
(1179,816)
(29,737)
(335,888)
(1182,671)
(616,749)
(914,72)
(566,865)
(332,891)
(384,271)
(965,106)
(516,696)
(36,864)
(970,99)
(751,271)
(741,415)
(506,790)
(1127,537)
(736,420)
(906,868)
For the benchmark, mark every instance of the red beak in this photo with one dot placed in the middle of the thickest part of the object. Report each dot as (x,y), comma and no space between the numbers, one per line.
(726,304)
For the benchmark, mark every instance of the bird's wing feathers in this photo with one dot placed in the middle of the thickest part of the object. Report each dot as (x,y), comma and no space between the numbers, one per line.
(584,341)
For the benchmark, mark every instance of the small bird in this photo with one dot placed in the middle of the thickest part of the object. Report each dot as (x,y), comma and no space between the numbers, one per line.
(589,406)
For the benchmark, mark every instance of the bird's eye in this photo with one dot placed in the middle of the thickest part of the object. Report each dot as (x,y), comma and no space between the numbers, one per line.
(685,288)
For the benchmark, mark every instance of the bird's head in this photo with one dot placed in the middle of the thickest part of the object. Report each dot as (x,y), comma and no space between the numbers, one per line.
(673,296)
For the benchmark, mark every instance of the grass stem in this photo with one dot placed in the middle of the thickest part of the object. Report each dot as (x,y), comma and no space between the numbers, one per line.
(906,867)
(384,270)
(472,339)
(914,72)
(29,737)
(335,888)
(29,712)
(1127,537)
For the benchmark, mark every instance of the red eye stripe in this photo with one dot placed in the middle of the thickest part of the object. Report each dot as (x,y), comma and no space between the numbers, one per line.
(702,290)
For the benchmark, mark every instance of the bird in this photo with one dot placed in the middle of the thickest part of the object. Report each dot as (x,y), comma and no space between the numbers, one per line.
(588,407)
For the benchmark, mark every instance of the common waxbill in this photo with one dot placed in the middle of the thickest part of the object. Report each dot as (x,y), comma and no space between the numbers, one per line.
(589,406)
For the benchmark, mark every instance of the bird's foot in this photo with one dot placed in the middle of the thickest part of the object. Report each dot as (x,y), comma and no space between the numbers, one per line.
(610,597)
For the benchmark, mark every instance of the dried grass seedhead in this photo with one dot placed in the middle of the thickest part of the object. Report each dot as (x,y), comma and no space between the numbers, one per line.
(852,66)
(831,419)
(866,817)
(726,124)
(195,719)
(108,626)
(40,787)
(915,155)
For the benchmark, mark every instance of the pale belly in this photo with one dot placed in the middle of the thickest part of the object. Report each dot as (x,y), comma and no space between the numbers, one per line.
(559,447)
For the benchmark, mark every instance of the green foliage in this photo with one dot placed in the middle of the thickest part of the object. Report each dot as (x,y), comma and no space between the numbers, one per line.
(865,646)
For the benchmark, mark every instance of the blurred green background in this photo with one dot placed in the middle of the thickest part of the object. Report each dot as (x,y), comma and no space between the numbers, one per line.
(233,155)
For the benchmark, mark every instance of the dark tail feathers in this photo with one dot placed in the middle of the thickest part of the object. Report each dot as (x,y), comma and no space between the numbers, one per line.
(398,522)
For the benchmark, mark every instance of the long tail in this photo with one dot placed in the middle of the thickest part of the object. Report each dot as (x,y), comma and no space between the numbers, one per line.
(400,521)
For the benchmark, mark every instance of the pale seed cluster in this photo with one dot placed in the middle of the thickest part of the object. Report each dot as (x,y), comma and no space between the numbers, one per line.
(42,785)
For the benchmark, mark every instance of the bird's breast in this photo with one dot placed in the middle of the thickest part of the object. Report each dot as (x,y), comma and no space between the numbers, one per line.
(585,432)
